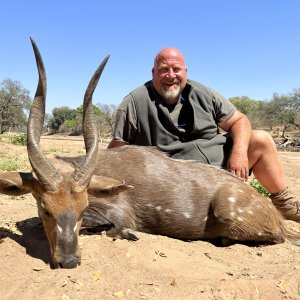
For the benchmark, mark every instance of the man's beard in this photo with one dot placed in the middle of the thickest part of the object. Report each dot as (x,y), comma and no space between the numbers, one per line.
(172,93)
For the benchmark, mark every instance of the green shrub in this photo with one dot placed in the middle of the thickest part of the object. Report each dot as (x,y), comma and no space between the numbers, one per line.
(257,185)
(19,139)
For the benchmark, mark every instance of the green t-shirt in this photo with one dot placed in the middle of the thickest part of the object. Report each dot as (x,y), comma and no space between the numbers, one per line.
(188,130)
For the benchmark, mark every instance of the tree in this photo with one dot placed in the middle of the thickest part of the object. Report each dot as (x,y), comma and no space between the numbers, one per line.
(15,102)
(244,104)
(105,113)
(289,105)
(79,111)
(66,119)
(60,115)
(284,110)
(251,108)
(107,118)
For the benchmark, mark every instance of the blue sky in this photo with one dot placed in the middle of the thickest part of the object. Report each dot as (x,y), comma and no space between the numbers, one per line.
(239,48)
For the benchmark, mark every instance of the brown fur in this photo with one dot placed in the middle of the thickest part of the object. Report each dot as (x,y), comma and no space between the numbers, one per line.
(184,199)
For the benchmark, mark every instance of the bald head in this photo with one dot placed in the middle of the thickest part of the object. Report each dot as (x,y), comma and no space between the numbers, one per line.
(169,74)
(171,54)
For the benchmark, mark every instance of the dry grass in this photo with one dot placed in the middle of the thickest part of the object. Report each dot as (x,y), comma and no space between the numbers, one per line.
(14,158)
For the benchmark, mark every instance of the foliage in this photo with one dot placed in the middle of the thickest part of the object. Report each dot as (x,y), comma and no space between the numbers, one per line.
(65,119)
(257,185)
(19,139)
(107,118)
(14,103)
(285,109)
(71,124)
(251,108)
(60,115)
(97,112)
(282,110)
(245,105)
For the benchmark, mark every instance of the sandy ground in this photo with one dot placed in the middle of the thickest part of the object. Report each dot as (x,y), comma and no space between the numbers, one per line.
(155,267)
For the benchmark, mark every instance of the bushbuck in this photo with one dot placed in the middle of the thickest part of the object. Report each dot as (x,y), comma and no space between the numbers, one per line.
(61,192)
(180,199)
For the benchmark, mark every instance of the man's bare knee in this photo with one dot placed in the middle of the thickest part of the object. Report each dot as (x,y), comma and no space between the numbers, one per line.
(261,139)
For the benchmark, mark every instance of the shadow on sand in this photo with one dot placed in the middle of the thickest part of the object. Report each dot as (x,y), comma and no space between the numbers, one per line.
(32,238)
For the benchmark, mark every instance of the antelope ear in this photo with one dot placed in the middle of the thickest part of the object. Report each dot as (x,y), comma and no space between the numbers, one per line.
(101,186)
(16,183)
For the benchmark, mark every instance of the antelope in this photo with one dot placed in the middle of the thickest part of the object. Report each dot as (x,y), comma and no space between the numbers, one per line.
(61,192)
(181,199)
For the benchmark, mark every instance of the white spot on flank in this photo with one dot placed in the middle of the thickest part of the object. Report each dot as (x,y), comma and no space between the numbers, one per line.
(241,191)
(259,233)
(232,213)
(168,210)
(59,228)
(187,215)
(250,212)
(158,208)
(231,199)
(240,210)
(205,219)
(240,219)
(149,205)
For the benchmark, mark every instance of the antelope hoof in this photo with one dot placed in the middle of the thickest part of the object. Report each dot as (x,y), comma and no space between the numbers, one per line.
(129,234)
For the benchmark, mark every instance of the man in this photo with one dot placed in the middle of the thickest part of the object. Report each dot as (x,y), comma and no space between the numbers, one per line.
(183,117)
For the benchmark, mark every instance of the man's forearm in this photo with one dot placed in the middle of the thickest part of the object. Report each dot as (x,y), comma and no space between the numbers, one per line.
(241,134)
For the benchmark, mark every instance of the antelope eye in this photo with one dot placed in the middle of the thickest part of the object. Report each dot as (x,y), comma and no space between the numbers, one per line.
(44,210)
(46,213)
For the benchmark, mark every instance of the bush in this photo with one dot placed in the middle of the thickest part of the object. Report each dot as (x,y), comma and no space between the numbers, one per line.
(19,139)
(257,185)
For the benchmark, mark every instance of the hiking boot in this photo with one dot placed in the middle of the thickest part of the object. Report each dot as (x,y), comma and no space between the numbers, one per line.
(287,204)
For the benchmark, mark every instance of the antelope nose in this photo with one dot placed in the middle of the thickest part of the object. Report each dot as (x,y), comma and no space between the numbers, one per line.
(70,263)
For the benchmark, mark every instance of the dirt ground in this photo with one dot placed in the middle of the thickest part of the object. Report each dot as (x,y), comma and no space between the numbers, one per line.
(155,267)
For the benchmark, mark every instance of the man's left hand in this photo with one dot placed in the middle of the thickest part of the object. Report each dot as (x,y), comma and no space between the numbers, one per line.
(238,165)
